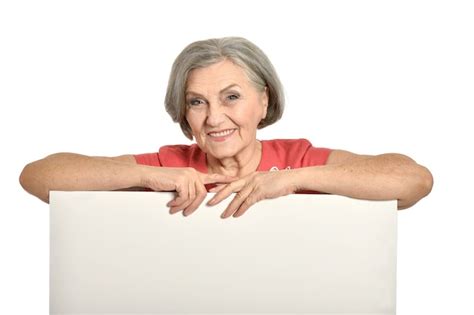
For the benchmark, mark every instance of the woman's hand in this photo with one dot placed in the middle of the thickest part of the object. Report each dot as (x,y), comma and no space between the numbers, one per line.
(253,188)
(188,184)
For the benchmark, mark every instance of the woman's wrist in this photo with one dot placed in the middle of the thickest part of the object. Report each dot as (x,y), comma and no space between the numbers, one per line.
(143,173)
(305,178)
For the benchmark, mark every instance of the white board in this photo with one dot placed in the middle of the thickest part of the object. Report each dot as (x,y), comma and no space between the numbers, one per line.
(122,252)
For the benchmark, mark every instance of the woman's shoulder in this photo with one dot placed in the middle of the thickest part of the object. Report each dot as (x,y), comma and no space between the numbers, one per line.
(183,155)
(174,155)
(178,149)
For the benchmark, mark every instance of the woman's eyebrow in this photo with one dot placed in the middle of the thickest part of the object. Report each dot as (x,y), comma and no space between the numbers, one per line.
(229,87)
(220,92)
(193,93)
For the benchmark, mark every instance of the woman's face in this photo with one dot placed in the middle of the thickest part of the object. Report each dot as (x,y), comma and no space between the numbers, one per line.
(223,109)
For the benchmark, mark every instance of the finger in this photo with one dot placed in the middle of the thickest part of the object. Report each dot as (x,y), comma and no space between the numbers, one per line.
(226,191)
(218,188)
(248,202)
(175,209)
(238,200)
(176,201)
(183,195)
(175,204)
(217,178)
(191,195)
(179,204)
(201,195)
(172,201)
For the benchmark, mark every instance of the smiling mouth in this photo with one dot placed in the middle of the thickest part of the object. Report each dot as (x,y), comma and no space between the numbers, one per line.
(222,133)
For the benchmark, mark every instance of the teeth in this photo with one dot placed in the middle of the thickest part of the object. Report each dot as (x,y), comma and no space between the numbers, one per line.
(222,133)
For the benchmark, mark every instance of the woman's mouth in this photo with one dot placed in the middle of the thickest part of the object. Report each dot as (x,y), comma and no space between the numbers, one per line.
(221,135)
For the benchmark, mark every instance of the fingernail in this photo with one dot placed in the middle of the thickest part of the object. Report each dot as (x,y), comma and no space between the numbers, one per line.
(211,202)
(223,216)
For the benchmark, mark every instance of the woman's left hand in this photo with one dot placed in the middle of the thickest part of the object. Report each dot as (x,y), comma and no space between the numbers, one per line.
(253,188)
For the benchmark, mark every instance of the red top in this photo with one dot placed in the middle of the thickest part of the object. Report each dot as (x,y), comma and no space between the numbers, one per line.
(276,155)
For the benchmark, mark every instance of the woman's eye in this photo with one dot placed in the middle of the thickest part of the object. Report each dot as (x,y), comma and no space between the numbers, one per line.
(195,102)
(233,97)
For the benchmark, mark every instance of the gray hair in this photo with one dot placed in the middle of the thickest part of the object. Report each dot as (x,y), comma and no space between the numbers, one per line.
(241,52)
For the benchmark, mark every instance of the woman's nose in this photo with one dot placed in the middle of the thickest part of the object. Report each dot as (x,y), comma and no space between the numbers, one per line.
(215,115)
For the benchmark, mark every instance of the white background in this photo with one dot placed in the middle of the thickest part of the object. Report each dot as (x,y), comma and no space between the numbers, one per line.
(366,76)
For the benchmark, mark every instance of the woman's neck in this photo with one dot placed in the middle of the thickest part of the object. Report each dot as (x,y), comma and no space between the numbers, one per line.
(242,164)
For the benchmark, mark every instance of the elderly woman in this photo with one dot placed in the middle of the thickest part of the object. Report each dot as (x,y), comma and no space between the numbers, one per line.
(221,91)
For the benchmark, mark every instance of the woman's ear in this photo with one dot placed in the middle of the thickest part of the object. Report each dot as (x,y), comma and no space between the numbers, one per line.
(265,99)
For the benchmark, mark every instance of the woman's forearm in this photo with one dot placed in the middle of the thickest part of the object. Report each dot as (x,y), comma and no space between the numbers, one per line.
(69,171)
(382,177)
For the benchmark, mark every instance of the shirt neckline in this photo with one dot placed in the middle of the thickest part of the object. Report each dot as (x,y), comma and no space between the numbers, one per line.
(204,168)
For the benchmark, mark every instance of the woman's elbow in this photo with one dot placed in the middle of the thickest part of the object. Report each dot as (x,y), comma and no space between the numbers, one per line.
(426,183)
(24,177)
(420,187)
(29,183)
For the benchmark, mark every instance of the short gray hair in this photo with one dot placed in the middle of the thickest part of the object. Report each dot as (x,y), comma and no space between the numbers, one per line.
(241,52)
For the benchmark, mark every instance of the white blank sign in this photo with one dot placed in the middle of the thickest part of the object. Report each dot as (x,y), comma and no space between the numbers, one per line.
(123,253)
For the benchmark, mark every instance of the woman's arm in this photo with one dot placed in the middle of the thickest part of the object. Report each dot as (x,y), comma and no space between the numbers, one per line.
(70,171)
(381,177)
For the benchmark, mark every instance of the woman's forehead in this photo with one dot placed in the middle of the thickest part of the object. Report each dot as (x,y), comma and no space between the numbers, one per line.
(216,77)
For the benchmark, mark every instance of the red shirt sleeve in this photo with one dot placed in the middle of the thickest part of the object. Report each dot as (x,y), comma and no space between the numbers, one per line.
(151,159)
(315,156)
(178,155)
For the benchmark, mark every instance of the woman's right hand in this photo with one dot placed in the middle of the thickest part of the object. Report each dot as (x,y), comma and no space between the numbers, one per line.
(186,181)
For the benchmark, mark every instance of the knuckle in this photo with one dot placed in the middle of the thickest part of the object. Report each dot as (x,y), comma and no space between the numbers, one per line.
(229,187)
(180,189)
(201,189)
(202,194)
(239,195)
